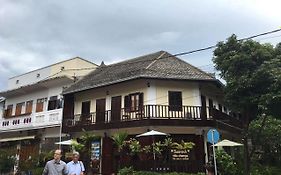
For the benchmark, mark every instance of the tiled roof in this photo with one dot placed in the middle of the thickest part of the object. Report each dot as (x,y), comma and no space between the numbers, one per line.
(159,65)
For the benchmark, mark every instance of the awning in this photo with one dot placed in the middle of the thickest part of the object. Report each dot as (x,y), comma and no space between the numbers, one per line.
(16,138)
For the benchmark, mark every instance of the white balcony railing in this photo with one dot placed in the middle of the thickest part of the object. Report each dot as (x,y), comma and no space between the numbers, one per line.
(32,121)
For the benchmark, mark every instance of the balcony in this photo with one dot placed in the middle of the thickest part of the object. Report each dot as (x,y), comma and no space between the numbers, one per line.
(151,115)
(32,121)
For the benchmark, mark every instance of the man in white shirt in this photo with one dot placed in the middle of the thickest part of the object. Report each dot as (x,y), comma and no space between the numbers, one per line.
(75,167)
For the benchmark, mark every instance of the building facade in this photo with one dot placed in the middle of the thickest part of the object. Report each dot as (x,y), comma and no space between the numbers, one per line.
(31,110)
(156,91)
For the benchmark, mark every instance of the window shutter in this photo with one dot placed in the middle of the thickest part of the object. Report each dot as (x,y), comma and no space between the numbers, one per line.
(127,103)
(141,99)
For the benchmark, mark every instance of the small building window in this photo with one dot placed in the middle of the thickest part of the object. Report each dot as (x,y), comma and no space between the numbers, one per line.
(54,103)
(38,75)
(9,111)
(175,100)
(17,81)
(40,104)
(133,102)
(19,108)
(28,107)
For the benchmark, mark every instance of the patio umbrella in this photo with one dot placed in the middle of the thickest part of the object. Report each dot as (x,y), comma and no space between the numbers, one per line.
(152,133)
(226,142)
(66,142)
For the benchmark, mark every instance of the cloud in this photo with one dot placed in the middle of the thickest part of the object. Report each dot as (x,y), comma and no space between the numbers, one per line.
(34,34)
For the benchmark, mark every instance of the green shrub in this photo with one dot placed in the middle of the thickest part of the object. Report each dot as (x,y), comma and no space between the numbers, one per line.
(6,162)
(226,164)
(126,171)
(265,170)
(130,171)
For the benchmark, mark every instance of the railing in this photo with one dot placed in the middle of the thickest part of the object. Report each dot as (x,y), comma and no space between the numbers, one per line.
(154,112)
(34,120)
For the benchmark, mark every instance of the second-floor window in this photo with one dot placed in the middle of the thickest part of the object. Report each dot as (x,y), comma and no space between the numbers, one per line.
(133,102)
(9,111)
(54,103)
(19,108)
(40,104)
(28,107)
(175,100)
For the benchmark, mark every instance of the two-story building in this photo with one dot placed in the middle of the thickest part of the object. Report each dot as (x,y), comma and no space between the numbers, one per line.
(31,110)
(155,91)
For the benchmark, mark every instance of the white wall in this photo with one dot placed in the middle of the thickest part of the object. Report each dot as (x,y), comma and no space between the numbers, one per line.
(28,78)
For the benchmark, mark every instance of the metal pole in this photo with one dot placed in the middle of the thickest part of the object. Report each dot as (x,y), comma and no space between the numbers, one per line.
(60,134)
(214,153)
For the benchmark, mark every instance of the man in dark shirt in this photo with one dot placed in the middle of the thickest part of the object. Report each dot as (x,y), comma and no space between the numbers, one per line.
(55,166)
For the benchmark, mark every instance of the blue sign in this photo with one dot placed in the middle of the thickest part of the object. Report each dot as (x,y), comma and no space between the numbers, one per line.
(213,136)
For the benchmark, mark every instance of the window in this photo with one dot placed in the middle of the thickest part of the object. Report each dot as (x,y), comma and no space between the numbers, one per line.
(53,103)
(175,100)
(133,102)
(9,111)
(28,107)
(38,75)
(40,104)
(19,108)
(17,81)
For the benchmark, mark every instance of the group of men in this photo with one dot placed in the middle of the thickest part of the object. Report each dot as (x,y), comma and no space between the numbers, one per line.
(59,167)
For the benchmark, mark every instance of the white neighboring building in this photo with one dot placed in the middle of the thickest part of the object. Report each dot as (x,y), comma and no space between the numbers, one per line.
(31,113)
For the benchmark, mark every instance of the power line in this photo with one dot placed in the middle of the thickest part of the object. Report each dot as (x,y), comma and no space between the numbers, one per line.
(185,53)
(214,46)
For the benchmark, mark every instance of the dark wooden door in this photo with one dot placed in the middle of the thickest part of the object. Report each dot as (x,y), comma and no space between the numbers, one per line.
(85,112)
(100,110)
(203,109)
(115,108)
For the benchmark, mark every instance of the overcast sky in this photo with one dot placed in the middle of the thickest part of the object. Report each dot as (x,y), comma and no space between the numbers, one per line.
(34,33)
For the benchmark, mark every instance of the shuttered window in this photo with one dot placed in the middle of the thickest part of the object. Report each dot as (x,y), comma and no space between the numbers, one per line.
(175,100)
(133,102)
(19,108)
(40,104)
(9,111)
(28,107)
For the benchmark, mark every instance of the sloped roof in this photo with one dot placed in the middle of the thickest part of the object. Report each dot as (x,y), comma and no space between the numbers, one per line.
(159,65)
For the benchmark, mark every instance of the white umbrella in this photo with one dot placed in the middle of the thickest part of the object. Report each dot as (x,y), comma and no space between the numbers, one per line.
(152,133)
(226,142)
(66,142)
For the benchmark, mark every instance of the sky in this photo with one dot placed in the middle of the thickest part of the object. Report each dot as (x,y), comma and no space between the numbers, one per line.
(34,34)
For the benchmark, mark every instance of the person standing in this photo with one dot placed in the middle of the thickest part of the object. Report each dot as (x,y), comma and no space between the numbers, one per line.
(55,166)
(75,167)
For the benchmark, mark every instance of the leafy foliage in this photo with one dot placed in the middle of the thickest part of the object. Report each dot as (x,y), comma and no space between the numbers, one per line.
(268,141)
(252,72)
(130,171)
(6,162)
(226,164)
(119,139)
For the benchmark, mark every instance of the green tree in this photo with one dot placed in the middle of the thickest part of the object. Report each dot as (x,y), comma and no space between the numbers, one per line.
(252,72)
(268,141)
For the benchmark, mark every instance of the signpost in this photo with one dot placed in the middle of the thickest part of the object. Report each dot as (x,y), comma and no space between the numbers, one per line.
(213,137)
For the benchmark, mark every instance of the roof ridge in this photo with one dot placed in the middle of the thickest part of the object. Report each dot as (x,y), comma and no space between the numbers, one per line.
(129,60)
(164,52)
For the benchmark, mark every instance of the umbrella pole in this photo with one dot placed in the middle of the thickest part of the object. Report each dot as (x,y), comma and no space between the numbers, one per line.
(154,157)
